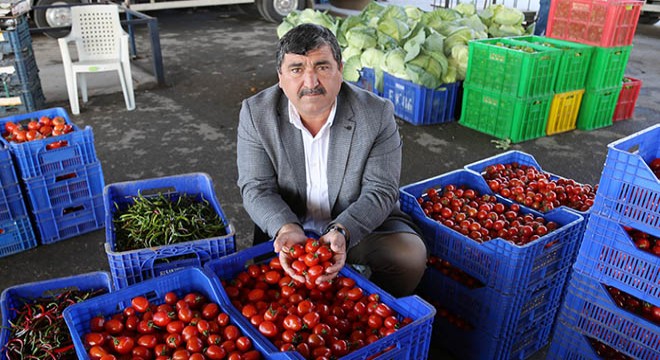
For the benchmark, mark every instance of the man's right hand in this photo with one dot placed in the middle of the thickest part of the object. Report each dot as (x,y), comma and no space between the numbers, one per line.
(287,236)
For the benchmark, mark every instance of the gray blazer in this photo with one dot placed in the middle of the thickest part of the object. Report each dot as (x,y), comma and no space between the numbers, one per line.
(364,164)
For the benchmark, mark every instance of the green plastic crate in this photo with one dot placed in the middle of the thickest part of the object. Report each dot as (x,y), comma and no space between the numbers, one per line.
(510,71)
(608,66)
(505,116)
(573,65)
(597,108)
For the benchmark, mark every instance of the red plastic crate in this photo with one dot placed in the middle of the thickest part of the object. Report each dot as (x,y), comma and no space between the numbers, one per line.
(595,22)
(625,106)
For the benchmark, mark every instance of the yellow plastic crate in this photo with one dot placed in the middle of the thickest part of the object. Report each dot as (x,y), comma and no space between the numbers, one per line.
(564,111)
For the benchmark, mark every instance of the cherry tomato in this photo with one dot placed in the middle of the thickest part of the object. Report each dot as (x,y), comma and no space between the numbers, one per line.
(215,352)
(114,326)
(268,329)
(123,344)
(243,343)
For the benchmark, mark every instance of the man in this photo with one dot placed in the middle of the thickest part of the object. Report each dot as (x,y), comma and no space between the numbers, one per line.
(542,18)
(320,154)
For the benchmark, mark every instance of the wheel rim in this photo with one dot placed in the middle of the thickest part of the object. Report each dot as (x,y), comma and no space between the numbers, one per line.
(284,7)
(56,17)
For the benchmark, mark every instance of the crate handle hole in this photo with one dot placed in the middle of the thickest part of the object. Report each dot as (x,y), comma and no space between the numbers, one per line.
(633,149)
(65,177)
(551,244)
(72,209)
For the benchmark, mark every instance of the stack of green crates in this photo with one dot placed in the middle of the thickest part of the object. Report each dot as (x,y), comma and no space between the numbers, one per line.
(603,86)
(508,88)
(570,81)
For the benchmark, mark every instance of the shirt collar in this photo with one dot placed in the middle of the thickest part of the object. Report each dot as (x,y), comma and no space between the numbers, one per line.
(294,117)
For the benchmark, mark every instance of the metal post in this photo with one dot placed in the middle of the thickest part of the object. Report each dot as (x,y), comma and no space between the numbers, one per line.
(131,34)
(156,52)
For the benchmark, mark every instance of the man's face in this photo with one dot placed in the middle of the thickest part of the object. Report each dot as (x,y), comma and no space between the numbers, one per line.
(312,81)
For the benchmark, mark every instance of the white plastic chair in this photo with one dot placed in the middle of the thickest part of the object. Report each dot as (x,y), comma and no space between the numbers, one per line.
(102,46)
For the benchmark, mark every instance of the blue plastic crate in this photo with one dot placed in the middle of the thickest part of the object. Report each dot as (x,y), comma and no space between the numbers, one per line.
(629,192)
(567,343)
(523,158)
(133,266)
(608,255)
(65,187)
(475,344)
(409,342)
(69,220)
(496,263)
(181,282)
(367,81)
(16,235)
(16,296)
(17,39)
(490,311)
(33,158)
(419,105)
(11,200)
(590,310)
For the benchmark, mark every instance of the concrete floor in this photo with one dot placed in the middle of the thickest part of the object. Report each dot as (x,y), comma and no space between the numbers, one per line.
(214,58)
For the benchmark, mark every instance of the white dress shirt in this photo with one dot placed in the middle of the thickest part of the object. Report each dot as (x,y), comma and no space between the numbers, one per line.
(316,166)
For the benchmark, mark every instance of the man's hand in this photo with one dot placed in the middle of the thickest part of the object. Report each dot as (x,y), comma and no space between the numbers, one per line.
(287,236)
(338,246)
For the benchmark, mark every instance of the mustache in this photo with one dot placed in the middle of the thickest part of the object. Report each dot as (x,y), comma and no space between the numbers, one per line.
(319,90)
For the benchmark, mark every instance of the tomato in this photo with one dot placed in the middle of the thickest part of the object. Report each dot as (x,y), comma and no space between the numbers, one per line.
(275,264)
(311,245)
(97,352)
(194,344)
(383,310)
(94,338)
(108,357)
(321,352)
(311,319)
(296,251)
(181,354)
(123,344)
(315,340)
(141,352)
(161,350)
(210,311)
(222,319)
(173,340)
(292,322)
(243,343)
(391,322)
(175,327)
(303,349)
(324,253)
(251,355)
(113,326)
(194,300)
(189,331)
(196,356)
(185,314)
(215,352)
(228,345)
(140,303)
(161,318)
(214,339)
(272,277)
(146,327)
(170,298)
(149,341)
(256,295)
(375,321)
(354,294)
(231,332)
(268,329)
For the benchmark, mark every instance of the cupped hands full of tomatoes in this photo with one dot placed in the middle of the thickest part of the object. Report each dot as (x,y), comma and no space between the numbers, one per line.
(310,259)
(36,129)
(180,328)
(481,217)
(535,189)
(327,321)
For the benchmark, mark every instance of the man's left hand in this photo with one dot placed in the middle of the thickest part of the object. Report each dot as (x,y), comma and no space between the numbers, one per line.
(338,246)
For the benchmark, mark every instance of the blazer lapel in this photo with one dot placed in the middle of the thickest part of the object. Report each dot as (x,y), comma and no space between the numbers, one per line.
(341,135)
(293,146)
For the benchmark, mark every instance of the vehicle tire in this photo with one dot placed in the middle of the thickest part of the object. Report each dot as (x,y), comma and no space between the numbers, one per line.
(276,10)
(648,19)
(54,17)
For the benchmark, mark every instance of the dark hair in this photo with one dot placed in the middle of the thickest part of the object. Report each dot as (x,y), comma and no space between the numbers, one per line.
(304,38)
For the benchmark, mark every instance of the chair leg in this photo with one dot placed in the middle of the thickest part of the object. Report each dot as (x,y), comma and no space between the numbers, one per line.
(83,86)
(73,93)
(129,95)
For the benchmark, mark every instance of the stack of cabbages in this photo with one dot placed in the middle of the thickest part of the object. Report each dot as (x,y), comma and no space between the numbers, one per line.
(428,48)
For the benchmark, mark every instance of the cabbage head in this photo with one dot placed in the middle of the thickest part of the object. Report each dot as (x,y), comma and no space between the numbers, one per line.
(349,52)
(361,37)
(393,27)
(352,68)
(466,9)
(394,63)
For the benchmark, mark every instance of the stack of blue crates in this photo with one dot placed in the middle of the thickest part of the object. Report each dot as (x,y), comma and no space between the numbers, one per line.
(16,232)
(592,322)
(18,71)
(511,313)
(61,177)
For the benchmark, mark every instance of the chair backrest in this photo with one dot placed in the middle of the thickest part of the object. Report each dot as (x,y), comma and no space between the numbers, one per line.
(99,30)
